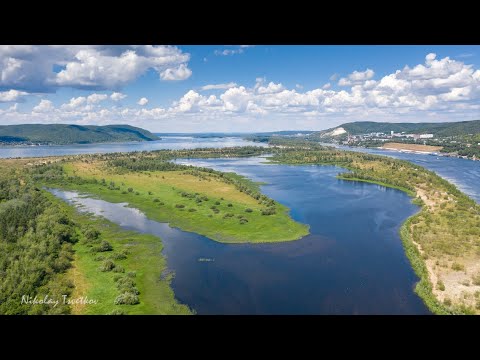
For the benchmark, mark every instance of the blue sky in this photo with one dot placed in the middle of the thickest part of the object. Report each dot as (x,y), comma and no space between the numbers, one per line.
(238,88)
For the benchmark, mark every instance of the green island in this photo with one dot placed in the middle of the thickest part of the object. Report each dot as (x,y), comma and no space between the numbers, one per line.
(61,251)
(225,207)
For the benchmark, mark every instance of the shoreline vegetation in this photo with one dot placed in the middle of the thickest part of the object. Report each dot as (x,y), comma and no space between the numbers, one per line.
(118,268)
(441,241)
(51,252)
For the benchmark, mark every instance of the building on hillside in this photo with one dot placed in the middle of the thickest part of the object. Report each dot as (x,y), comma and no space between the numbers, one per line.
(426,136)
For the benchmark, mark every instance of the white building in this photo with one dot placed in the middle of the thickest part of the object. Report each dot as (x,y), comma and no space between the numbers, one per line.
(426,136)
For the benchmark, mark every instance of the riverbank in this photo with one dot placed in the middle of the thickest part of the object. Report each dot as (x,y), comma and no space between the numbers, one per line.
(416,148)
(136,258)
(441,241)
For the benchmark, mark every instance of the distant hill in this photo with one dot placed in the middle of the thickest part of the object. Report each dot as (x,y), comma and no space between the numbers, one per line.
(438,129)
(61,134)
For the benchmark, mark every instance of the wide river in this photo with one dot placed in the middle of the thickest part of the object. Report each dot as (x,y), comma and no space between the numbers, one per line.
(351,263)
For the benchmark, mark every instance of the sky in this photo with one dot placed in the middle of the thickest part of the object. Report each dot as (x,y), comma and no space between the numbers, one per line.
(237,88)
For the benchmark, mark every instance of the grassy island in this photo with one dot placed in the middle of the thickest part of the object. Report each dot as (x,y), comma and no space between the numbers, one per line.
(225,207)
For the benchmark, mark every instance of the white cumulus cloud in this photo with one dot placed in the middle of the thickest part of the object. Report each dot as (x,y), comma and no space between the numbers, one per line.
(96,98)
(44,106)
(31,67)
(356,77)
(218,86)
(11,95)
(174,74)
(143,101)
(117,96)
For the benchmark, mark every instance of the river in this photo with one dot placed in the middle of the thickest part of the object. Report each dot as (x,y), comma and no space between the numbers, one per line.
(168,142)
(351,263)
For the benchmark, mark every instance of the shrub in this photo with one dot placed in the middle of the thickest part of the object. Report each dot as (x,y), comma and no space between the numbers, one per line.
(150,193)
(137,193)
(243,221)
(217,202)
(127,299)
(179,206)
(118,269)
(117,312)
(458,267)
(123,192)
(117,277)
(91,234)
(161,203)
(230,205)
(132,274)
(99,258)
(156,200)
(248,210)
(119,256)
(107,265)
(447,302)
(440,285)
(104,246)
(476,280)
(192,210)
(130,190)
(268,211)
(125,282)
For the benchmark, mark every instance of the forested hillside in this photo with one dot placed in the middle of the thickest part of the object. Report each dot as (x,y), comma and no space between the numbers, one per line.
(439,129)
(72,134)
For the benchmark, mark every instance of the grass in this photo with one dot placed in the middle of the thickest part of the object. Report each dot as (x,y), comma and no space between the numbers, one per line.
(166,187)
(144,258)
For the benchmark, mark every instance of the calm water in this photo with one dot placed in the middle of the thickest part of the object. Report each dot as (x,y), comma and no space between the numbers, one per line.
(171,142)
(351,263)
(465,174)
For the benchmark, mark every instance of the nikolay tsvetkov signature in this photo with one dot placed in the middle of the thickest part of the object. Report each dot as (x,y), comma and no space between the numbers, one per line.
(65,300)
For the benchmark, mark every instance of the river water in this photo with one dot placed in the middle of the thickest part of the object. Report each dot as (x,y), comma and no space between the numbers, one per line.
(169,142)
(351,263)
